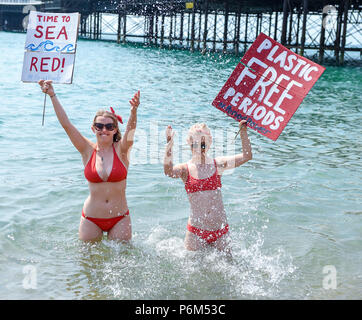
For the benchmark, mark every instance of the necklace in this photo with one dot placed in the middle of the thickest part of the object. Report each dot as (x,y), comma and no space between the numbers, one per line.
(100,155)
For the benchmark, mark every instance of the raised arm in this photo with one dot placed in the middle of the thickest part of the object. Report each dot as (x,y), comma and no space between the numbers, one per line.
(128,137)
(80,142)
(230,162)
(170,170)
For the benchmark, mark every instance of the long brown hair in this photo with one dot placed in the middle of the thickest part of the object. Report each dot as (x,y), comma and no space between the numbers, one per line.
(104,113)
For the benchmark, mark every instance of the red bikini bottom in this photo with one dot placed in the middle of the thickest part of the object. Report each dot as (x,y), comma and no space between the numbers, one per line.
(208,236)
(105,224)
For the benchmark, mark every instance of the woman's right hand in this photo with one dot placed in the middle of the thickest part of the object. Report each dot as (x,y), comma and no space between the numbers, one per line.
(169,133)
(47,87)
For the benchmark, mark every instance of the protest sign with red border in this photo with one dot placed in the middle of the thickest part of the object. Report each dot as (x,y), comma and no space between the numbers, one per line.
(267,86)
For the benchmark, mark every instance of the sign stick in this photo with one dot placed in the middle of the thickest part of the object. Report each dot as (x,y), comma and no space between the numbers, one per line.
(237,134)
(45,98)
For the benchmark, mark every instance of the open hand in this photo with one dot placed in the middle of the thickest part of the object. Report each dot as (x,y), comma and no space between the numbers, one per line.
(169,133)
(46,87)
(135,102)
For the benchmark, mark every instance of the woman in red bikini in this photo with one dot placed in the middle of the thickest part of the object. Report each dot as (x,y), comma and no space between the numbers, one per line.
(207,224)
(105,167)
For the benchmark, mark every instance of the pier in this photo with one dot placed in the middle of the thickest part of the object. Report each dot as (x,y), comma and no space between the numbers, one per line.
(321,30)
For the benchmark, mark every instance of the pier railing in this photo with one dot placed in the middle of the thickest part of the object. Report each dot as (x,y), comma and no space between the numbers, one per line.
(20,2)
(312,28)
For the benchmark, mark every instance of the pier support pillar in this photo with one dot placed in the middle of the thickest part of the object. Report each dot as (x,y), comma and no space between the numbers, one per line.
(119,29)
(150,29)
(181,28)
(237,31)
(257,25)
(322,40)
(297,35)
(270,24)
(162,30)
(192,40)
(199,35)
(290,26)
(224,49)
(214,40)
(246,33)
(337,42)
(204,39)
(345,21)
(156,29)
(170,36)
(124,28)
(285,22)
(304,26)
(276,26)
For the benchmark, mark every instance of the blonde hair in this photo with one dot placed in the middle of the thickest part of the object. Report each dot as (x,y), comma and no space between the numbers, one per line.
(202,129)
(104,113)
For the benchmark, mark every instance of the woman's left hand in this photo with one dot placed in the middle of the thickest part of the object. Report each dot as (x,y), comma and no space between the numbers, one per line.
(242,125)
(135,102)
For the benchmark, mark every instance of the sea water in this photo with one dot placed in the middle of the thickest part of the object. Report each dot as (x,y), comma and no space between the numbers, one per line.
(294,211)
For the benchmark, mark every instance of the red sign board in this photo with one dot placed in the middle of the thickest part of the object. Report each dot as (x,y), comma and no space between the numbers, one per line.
(267,86)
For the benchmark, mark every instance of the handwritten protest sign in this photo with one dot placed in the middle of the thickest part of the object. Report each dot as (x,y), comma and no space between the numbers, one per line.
(267,86)
(50,47)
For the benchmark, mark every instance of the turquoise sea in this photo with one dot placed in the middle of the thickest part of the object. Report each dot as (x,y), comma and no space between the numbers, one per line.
(295,210)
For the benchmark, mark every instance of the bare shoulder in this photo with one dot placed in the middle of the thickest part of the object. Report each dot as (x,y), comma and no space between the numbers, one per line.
(181,168)
(221,162)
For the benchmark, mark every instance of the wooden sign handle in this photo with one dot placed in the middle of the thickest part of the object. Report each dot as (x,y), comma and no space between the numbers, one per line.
(45,98)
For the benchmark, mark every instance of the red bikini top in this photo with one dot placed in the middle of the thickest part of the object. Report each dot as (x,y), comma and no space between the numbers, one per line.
(118,172)
(211,183)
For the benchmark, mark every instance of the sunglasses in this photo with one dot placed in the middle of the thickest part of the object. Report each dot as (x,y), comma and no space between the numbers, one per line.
(203,145)
(100,126)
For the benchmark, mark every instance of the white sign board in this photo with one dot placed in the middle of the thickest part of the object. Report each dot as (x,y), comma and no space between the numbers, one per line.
(50,47)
